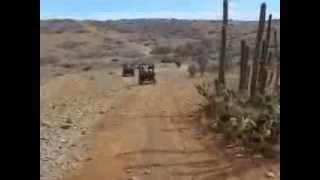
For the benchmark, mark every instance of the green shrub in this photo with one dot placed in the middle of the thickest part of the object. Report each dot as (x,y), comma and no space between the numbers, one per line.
(254,123)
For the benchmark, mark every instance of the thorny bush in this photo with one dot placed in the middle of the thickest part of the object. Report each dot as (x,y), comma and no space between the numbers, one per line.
(202,63)
(192,70)
(255,123)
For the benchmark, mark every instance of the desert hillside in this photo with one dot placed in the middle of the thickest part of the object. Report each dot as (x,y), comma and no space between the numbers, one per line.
(68,45)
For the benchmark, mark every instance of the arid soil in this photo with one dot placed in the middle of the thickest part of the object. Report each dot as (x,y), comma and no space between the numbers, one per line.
(120,130)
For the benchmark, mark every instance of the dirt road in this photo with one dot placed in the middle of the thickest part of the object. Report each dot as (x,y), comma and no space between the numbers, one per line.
(150,134)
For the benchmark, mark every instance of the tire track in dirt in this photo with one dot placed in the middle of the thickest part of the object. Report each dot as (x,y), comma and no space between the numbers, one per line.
(165,153)
(108,143)
(136,124)
(150,134)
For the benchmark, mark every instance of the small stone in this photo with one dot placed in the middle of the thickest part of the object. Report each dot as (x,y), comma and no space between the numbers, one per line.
(63,140)
(133,178)
(258,156)
(230,146)
(44,124)
(239,155)
(101,112)
(88,159)
(83,132)
(128,171)
(65,127)
(76,159)
(147,172)
(43,139)
(69,121)
(87,68)
(270,175)
(198,136)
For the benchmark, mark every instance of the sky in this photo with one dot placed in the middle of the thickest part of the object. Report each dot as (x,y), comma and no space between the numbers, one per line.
(133,9)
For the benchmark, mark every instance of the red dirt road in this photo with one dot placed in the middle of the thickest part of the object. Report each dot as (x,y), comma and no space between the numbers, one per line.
(150,134)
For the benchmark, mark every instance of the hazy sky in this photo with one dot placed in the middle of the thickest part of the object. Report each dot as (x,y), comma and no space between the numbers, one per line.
(128,9)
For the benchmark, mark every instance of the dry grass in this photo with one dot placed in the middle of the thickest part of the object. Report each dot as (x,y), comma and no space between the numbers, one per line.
(48,60)
(161,50)
(71,44)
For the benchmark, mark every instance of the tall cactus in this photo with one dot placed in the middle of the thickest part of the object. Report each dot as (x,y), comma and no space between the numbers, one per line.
(276,49)
(268,36)
(264,73)
(256,57)
(223,44)
(242,68)
(247,73)
(262,68)
(277,62)
(263,50)
(243,86)
(270,56)
(270,71)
